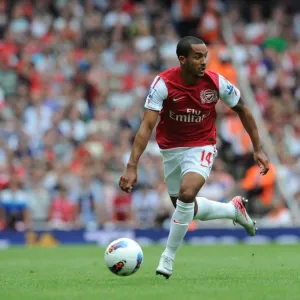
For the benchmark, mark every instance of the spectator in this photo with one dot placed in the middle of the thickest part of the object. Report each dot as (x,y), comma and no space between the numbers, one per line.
(62,210)
(39,198)
(14,202)
(122,210)
(87,194)
(280,216)
(209,24)
(185,15)
(259,190)
(145,204)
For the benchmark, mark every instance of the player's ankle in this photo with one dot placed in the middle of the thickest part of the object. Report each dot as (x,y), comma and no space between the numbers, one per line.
(170,252)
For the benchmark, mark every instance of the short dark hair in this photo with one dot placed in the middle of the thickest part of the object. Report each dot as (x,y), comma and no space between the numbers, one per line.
(184,45)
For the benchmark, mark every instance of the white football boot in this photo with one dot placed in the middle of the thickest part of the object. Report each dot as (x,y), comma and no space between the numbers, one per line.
(165,266)
(241,215)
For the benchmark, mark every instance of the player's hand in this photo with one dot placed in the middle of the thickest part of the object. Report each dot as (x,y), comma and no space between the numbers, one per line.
(262,161)
(128,179)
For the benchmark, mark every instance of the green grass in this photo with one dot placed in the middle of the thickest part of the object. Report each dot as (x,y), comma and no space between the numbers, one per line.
(201,272)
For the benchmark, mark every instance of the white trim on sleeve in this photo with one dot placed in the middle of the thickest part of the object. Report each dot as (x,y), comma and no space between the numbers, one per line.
(229,93)
(157,94)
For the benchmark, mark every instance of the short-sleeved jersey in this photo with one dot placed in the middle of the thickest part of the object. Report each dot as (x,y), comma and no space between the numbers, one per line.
(187,113)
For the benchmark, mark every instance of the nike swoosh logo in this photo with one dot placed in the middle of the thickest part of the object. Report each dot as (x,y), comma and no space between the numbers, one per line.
(176,99)
(205,166)
(176,222)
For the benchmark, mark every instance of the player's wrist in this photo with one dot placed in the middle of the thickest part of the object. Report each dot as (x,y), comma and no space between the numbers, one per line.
(258,148)
(131,165)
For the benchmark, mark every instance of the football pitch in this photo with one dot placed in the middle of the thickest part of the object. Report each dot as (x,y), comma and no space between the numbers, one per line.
(201,272)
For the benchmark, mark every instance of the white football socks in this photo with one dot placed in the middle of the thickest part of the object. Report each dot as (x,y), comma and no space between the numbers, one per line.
(212,210)
(181,219)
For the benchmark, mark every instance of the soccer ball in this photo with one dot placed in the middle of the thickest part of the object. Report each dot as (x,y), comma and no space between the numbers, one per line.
(123,257)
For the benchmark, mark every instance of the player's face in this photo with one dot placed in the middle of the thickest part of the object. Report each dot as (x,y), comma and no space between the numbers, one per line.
(197,59)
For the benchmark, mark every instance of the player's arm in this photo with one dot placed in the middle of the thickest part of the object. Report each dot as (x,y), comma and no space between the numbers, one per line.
(142,137)
(140,142)
(249,124)
(158,92)
(231,96)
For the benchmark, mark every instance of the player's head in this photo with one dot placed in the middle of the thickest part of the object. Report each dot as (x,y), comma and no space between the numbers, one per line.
(192,54)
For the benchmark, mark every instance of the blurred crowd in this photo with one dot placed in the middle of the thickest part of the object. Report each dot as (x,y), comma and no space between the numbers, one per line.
(74,75)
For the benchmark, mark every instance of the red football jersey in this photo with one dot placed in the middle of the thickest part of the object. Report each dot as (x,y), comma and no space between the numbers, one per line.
(187,113)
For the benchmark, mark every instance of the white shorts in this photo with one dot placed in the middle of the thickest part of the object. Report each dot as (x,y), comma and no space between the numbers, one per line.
(179,161)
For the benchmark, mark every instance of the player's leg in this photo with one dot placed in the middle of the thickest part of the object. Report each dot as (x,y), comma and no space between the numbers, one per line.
(200,160)
(186,207)
(235,210)
(206,209)
(183,215)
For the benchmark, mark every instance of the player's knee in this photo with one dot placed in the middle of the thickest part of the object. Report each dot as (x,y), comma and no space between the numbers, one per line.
(187,195)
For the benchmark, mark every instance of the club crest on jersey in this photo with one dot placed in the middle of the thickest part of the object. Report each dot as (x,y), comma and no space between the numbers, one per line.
(209,96)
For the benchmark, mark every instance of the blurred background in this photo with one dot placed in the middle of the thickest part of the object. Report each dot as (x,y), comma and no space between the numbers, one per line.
(74,75)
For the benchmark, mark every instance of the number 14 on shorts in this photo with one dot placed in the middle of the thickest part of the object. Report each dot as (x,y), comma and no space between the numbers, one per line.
(206,159)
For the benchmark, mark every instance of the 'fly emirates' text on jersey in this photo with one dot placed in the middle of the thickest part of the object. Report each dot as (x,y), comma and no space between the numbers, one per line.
(187,113)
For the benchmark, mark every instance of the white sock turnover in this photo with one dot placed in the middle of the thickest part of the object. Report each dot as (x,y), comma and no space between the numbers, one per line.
(212,210)
(181,219)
